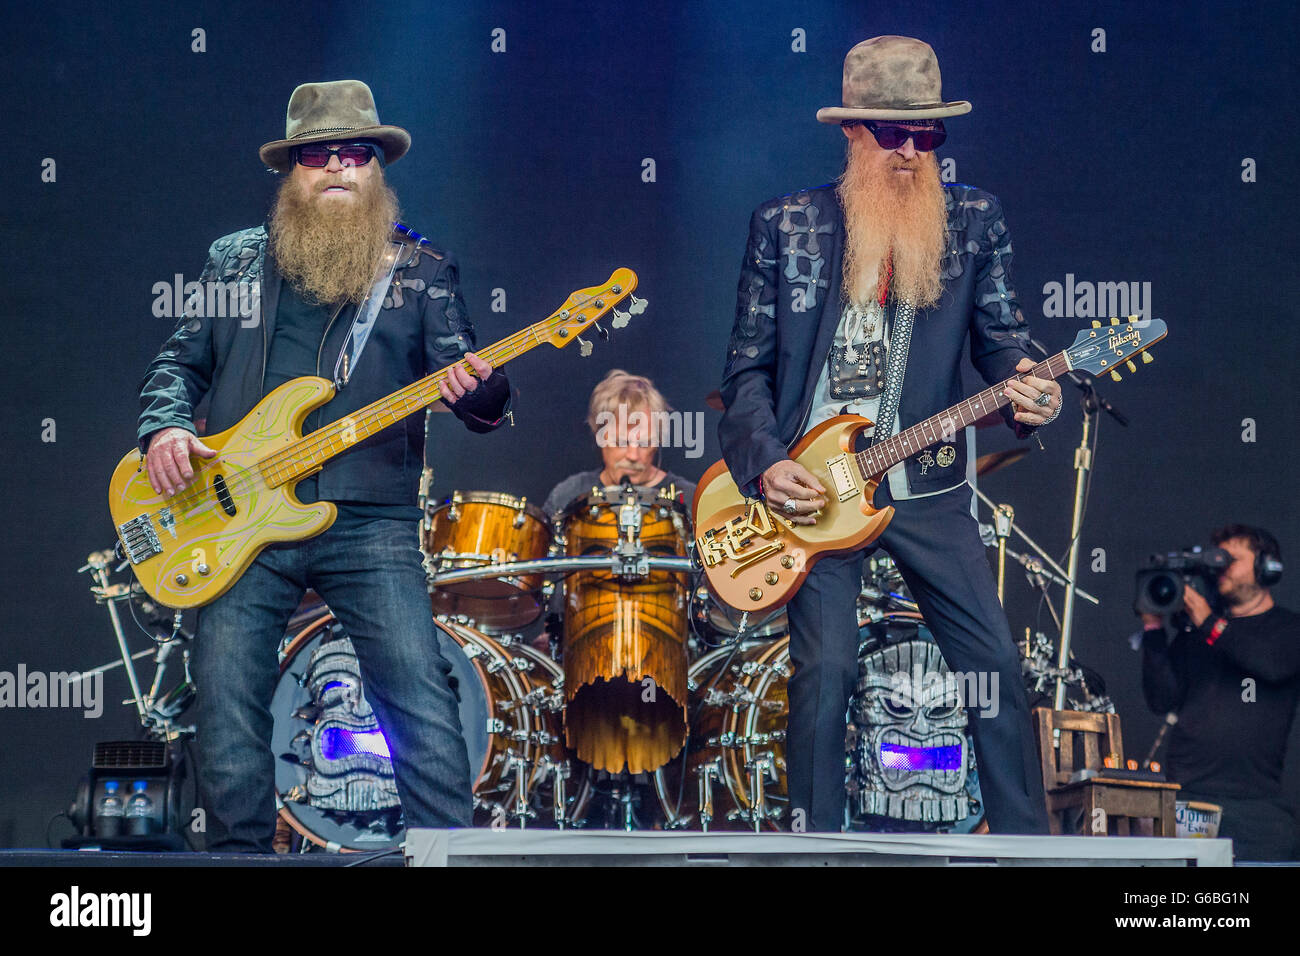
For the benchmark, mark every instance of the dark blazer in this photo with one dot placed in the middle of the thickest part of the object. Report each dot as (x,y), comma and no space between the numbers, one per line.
(789,306)
(421,328)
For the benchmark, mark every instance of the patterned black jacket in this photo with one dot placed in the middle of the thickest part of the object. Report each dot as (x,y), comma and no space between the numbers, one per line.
(789,306)
(422,327)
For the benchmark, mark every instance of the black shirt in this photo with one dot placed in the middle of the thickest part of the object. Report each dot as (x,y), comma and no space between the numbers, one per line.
(1230,739)
(575,486)
(299,330)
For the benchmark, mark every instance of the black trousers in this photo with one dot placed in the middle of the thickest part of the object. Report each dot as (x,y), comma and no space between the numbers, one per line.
(936,545)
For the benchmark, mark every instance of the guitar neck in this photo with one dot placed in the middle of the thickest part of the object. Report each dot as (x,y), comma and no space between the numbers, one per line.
(312,451)
(944,426)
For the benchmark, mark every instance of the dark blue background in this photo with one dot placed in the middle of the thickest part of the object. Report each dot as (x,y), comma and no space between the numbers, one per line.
(1119,166)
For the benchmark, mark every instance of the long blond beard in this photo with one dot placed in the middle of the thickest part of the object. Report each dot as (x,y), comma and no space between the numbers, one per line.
(886,211)
(330,249)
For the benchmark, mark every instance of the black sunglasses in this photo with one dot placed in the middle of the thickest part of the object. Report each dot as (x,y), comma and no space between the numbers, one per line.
(317,155)
(894,135)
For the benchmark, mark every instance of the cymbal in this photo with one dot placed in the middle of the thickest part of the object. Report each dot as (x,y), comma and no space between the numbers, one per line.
(987,464)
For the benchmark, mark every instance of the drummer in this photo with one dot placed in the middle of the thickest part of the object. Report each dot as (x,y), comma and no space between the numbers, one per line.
(623,416)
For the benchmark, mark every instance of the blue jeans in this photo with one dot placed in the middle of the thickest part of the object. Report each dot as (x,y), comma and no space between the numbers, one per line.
(370,575)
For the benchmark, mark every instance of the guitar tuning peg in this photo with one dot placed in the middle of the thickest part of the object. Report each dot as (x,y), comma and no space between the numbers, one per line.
(1115,376)
(1114,321)
(584,347)
(1096,323)
(1133,319)
(1146,358)
(604,332)
(620,319)
(1131,366)
(637,305)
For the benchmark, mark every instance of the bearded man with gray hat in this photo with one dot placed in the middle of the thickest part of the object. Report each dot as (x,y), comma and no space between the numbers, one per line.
(838,280)
(343,289)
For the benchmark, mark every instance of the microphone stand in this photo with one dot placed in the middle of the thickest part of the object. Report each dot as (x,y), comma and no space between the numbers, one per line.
(1092,402)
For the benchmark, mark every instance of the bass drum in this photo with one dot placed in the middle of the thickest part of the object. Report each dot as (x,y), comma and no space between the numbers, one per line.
(912,763)
(732,774)
(334,780)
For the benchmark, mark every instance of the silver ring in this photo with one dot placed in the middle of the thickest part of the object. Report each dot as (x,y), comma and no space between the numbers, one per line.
(790,507)
(1043,400)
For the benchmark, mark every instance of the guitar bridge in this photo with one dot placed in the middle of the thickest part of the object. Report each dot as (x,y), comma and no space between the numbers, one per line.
(139,539)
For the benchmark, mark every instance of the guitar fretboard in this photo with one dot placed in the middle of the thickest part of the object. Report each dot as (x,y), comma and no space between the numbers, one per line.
(944,426)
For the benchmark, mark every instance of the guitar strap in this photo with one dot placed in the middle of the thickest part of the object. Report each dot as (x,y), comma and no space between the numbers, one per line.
(363,323)
(900,338)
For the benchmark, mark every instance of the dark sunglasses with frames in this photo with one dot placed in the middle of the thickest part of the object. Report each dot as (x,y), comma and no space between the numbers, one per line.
(894,135)
(317,155)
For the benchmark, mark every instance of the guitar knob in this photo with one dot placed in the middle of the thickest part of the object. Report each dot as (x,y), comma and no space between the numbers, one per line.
(182,579)
(755,594)
(202,569)
(770,577)
(787,562)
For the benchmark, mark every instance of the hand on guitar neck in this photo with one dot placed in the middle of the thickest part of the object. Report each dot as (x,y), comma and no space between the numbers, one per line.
(168,459)
(459,382)
(789,480)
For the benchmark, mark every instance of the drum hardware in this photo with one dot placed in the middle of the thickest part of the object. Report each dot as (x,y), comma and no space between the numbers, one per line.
(554,567)
(708,777)
(558,771)
(1002,517)
(1092,404)
(157,711)
(1084,692)
(761,769)
(519,765)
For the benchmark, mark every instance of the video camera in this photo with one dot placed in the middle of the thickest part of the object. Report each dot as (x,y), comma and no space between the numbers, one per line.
(1160,581)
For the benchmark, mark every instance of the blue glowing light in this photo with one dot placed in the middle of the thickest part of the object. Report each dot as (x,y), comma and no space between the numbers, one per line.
(900,757)
(337,742)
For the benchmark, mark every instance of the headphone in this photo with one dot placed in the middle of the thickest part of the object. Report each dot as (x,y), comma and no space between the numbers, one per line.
(1268,559)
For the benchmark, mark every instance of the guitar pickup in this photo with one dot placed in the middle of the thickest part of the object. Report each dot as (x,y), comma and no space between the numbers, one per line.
(139,539)
(842,477)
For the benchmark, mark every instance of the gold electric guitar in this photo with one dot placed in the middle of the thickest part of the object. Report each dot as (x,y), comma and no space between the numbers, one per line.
(755,558)
(187,549)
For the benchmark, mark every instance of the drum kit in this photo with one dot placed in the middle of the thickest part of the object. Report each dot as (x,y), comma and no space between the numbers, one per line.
(602,686)
(656,706)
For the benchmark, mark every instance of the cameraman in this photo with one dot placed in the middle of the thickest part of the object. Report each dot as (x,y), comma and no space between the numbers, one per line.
(1232,674)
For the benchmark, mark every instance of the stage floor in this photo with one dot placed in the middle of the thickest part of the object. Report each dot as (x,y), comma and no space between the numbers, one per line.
(487,847)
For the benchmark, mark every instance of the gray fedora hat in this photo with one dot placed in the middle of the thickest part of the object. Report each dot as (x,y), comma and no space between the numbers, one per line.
(340,109)
(892,78)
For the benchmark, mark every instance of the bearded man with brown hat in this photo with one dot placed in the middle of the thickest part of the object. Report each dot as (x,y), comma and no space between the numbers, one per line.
(342,289)
(858,297)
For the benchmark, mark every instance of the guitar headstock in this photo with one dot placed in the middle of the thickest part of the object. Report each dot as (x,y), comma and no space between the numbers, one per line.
(1102,349)
(583,307)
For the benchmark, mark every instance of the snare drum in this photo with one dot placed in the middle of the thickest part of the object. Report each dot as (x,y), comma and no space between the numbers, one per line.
(625,637)
(481,529)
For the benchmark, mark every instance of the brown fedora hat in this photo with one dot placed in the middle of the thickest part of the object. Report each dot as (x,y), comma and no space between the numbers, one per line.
(341,109)
(892,78)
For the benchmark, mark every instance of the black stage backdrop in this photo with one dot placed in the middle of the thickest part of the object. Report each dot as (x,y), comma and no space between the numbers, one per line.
(1129,144)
